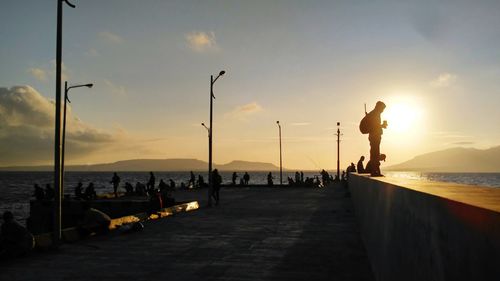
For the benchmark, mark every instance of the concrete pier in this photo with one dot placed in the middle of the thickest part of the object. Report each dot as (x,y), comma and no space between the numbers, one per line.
(254,234)
(421,230)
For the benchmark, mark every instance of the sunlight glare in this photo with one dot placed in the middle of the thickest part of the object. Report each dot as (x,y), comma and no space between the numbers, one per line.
(403,116)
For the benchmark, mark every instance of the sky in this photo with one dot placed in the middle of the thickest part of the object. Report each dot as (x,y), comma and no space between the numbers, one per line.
(308,64)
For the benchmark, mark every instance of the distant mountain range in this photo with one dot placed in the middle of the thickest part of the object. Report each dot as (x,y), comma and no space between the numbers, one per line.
(460,160)
(141,165)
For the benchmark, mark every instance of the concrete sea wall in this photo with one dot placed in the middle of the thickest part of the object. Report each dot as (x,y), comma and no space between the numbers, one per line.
(416,230)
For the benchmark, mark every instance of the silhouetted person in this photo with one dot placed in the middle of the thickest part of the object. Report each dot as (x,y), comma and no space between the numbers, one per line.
(150,185)
(270,179)
(344,176)
(172,184)
(115,180)
(350,169)
(166,193)
(15,240)
(129,188)
(297,177)
(49,192)
(94,221)
(233,178)
(192,179)
(217,181)
(140,189)
(90,192)
(371,124)
(201,181)
(361,169)
(325,177)
(79,190)
(246,178)
(301,177)
(39,194)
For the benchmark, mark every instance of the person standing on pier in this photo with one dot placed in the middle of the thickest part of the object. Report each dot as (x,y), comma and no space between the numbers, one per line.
(115,180)
(150,186)
(234,177)
(371,125)
(246,178)
(192,180)
(217,181)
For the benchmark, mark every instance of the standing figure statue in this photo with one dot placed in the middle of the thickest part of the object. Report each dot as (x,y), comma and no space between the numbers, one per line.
(371,125)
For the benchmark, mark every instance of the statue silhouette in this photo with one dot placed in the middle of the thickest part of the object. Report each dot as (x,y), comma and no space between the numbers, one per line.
(371,125)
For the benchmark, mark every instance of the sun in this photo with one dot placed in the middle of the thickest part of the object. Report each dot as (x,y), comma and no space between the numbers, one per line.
(403,115)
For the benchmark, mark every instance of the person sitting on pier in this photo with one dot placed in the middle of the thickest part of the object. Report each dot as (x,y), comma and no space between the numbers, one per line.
(269,179)
(140,189)
(350,169)
(172,184)
(361,169)
(115,180)
(15,240)
(94,221)
(49,192)
(246,178)
(39,194)
(233,178)
(297,177)
(90,193)
(290,181)
(129,188)
(79,190)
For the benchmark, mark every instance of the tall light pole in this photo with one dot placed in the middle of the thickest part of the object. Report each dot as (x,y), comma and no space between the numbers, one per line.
(338,149)
(210,135)
(281,159)
(66,99)
(56,234)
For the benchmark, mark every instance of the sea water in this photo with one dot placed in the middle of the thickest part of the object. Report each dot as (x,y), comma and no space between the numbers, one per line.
(16,188)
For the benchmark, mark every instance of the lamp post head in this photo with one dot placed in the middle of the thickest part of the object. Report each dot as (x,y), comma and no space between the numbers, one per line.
(222,72)
(203,124)
(278,122)
(338,123)
(89,85)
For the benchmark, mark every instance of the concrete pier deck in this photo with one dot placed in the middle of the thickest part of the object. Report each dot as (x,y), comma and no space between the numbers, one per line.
(254,234)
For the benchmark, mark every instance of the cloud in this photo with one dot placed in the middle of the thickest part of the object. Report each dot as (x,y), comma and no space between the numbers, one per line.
(110,37)
(48,71)
(27,129)
(115,89)
(201,41)
(92,53)
(242,111)
(463,143)
(444,80)
(38,73)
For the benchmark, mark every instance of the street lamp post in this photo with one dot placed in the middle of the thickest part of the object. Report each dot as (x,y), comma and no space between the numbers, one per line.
(338,149)
(66,99)
(210,135)
(281,162)
(57,135)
